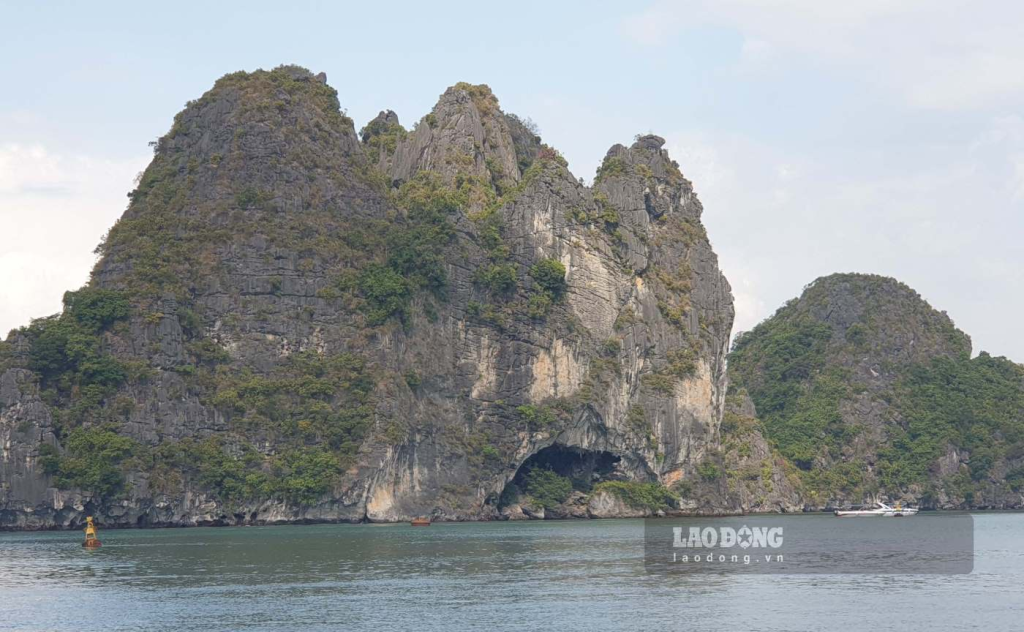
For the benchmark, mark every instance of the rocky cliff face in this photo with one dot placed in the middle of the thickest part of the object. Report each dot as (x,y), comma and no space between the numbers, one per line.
(293,322)
(872,394)
(757,477)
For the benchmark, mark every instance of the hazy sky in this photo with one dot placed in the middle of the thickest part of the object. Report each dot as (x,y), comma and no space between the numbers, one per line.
(874,136)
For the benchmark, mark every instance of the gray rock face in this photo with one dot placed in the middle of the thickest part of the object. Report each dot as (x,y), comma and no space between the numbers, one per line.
(465,134)
(605,504)
(233,249)
(25,424)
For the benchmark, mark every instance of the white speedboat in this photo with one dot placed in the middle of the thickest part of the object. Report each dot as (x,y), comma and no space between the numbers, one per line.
(883,510)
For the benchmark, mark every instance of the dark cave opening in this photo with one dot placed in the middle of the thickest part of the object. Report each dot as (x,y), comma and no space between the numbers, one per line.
(582,468)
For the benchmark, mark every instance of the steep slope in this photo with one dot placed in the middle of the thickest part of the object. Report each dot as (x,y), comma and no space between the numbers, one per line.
(295,323)
(757,477)
(870,392)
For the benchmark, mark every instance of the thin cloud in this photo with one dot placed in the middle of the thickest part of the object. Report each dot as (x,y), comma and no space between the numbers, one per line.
(953,55)
(54,208)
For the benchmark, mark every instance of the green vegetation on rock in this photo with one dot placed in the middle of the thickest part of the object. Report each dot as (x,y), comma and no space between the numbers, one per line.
(709,471)
(91,460)
(547,488)
(315,408)
(381,137)
(546,415)
(310,399)
(974,404)
(549,275)
(682,364)
(612,167)
(787,354)
(650,496)
(285,107)
(68,351)
(415,246)
(238,473)
(498,278)
(484,100)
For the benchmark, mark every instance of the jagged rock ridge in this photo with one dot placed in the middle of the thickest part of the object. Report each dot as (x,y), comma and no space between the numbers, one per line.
(293,322)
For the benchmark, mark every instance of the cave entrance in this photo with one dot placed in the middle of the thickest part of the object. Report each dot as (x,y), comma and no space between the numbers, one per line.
(572,466)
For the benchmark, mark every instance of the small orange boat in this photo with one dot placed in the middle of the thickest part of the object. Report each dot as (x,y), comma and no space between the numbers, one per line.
(421,522)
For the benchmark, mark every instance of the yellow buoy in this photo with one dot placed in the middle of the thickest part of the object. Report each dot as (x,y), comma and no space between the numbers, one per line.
(90,535)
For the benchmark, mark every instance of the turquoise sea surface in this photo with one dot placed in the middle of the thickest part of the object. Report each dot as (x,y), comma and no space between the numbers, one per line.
(571,575)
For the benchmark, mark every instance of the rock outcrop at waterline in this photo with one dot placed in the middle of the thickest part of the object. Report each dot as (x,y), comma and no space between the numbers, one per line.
(292,322)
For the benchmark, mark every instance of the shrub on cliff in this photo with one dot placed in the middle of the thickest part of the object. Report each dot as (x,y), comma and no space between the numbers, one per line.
(386,292)
(498,278)
(547,488)
(650,496)
(91,460)
(67,350)
(550,275)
